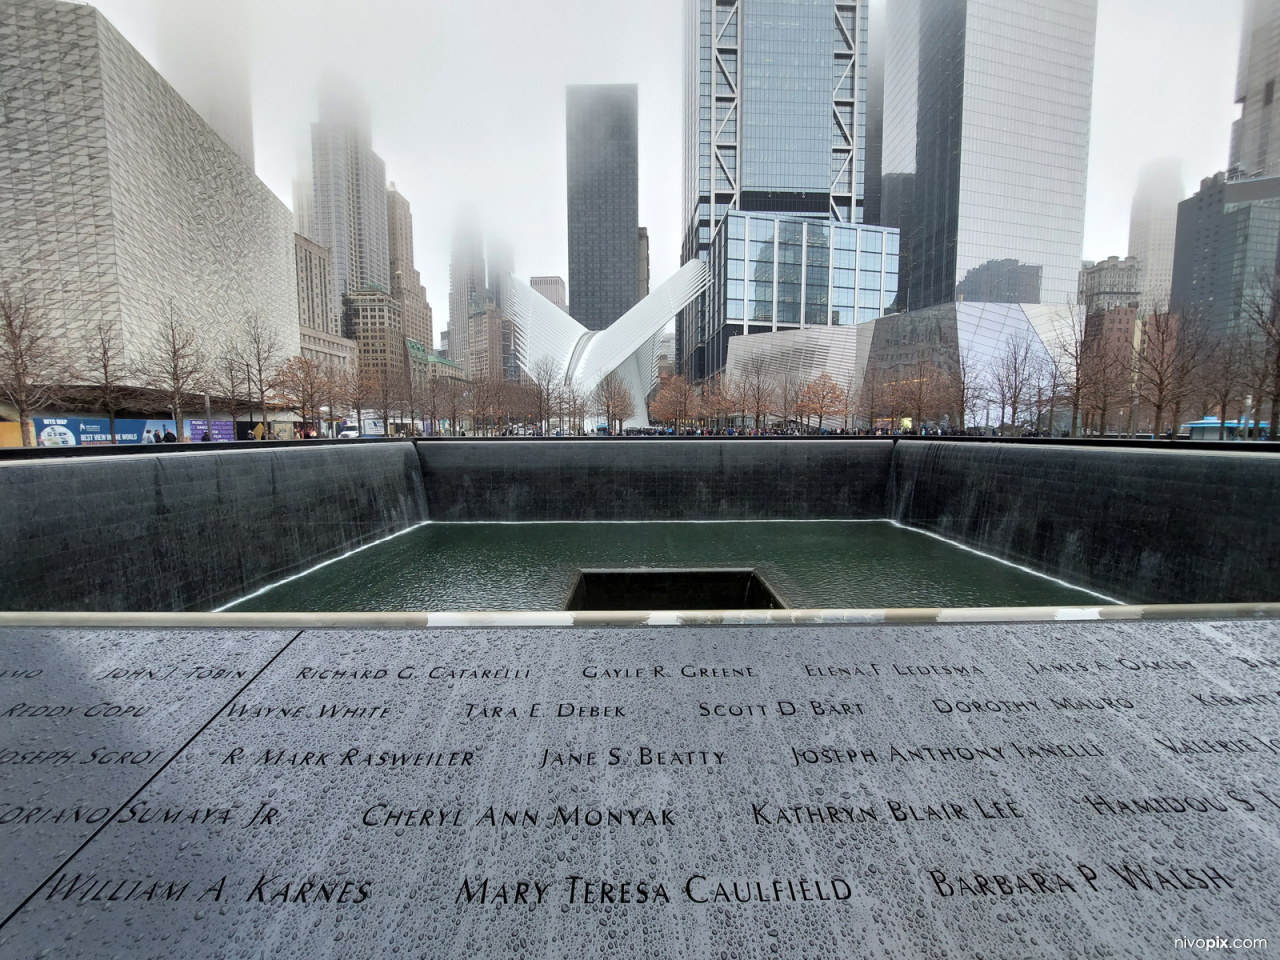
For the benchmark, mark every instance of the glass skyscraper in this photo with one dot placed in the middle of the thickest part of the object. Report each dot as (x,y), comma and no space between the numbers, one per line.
(986,141)
(775,125)
(1225,254)
(604,205)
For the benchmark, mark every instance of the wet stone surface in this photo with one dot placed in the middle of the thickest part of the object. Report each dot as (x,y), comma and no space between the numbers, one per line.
(86,718)
(1058,789)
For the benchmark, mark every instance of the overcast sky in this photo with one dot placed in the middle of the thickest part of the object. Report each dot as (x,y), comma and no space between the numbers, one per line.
(467,100)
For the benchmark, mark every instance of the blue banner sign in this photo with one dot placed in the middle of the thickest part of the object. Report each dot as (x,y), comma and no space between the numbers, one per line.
(94,431)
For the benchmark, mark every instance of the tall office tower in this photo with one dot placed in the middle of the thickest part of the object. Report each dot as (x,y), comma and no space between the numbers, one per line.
(500,267)
(204,53)
(1109,283)
(1255,136)
(119,202)
(314,266)
(776,126)
(552,288)
(642,265)
(319,323)
(986,143)
(1226,251)
(304,206)
(350,190)
(1153,224)
(467,287)
(406,282)
(604,202)
(501,263)
(486,341)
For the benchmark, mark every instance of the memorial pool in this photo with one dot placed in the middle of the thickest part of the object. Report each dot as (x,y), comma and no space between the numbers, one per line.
(532,566)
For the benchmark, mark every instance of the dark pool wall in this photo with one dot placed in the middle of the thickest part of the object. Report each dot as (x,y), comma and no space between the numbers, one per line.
(1143,526)
(192,531)
(656,480)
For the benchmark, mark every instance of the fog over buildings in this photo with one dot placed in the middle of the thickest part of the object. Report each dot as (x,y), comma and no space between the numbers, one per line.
(467,103)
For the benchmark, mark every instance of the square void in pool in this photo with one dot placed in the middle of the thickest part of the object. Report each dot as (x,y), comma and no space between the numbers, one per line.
(649,589)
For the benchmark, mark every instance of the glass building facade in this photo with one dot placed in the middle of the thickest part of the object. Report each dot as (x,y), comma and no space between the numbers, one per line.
(1226,250)
(985,151)
(770,274)
(604,202)
(775,123)
(118,202)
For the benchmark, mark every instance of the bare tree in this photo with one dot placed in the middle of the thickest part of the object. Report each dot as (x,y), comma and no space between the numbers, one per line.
(1169,363)
(822,399)
(965,388)
(717,403)
(918,390)
(262,352)
(871,395)
(299,385)
(105,367)
(612,400)
(433,403)
(173,363)
(331,391)
(546,382)
(385,386)
(1226,376)
(229,380)
(1072,366)
(756,390)
(1011,377)
(676,403)
(359,385)
(455,398)
(1264,310)
(34,363)
(789,386)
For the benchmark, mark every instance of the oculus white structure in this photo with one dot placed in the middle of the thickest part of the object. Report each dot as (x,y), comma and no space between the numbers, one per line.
(544,333)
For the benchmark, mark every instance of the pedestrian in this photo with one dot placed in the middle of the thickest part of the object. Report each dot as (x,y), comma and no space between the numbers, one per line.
(205,438)
(170,436)
(148,438)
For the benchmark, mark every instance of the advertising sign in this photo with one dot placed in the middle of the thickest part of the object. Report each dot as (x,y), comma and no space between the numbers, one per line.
(223,430)
(95,431)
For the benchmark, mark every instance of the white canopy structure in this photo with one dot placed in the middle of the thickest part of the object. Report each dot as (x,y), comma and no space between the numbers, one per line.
(584,357)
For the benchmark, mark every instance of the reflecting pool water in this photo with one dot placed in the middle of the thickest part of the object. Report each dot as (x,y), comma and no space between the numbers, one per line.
(532,566)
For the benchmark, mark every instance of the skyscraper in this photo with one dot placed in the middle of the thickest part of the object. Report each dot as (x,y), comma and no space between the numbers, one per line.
(350,192)
(604,205)
(642,265)
(1255,136)
(467,287)
(406,281)
(1110,283)
(203,53)
(552,288)
(776,126)
(1226,250)
(119,202)
(1153,223)
(986,141)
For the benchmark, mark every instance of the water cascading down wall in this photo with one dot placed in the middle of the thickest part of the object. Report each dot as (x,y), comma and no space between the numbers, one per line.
(192,530)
